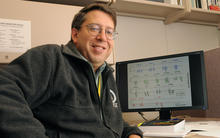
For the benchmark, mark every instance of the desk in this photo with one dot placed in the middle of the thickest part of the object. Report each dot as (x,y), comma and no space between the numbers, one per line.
(210,125)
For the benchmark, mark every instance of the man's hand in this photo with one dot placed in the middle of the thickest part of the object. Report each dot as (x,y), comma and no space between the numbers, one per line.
(134,136)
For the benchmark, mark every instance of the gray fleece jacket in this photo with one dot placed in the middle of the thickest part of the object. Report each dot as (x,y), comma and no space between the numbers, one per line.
(50,92)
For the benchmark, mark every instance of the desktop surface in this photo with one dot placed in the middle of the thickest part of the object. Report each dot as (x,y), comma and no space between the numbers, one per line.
(201,127)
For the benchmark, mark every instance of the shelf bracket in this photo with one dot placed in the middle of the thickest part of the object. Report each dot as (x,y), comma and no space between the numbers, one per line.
(111,2)
(179,14)
(108,2)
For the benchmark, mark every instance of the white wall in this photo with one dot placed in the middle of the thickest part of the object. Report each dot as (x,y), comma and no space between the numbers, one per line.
(190,37)
(141,38)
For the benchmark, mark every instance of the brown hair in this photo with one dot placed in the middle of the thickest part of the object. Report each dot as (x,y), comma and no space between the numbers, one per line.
(79,18)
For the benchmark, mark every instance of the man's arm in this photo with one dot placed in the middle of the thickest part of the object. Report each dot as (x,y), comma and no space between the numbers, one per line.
(21,88)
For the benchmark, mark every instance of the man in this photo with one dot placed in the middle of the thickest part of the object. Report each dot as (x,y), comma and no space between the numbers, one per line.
(68,91)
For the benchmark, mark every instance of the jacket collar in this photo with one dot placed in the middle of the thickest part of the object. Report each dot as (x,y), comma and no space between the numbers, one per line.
(70,49)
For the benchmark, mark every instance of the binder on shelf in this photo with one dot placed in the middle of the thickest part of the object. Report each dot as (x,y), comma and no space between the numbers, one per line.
(171,2)
(157,0)
(193,3)
(198,4)
(204,4)
(176,2)
(209,3)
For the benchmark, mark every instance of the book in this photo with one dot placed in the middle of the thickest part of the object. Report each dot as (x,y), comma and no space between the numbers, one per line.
(214,7)
(209,3)
(218,3)
(193,3)
(157,0)
(204,4)
(179,2)
(171,2)
(198,4)
(176,2)
(172,125)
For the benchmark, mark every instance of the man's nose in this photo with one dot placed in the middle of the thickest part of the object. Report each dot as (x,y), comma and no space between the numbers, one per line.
(102,35)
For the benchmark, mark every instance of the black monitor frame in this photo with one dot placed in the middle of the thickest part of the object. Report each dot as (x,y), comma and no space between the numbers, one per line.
(197,79)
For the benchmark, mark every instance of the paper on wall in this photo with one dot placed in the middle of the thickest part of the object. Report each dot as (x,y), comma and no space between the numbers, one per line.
(15,35)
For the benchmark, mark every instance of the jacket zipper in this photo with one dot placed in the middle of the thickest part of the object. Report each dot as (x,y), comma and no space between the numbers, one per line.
(106,74)
(95,89)
(100,98)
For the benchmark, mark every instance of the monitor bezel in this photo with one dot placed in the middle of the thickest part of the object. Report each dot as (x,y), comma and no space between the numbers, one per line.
(123,96)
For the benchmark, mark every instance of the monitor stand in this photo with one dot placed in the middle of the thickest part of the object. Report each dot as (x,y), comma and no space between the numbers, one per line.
(165,115)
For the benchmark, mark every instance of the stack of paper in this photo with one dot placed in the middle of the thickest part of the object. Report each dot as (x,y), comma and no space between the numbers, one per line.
(168,128)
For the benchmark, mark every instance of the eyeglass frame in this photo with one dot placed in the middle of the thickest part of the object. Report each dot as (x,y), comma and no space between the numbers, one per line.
(89,28)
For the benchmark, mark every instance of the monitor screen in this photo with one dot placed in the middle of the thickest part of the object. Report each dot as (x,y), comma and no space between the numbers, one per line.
(165,83)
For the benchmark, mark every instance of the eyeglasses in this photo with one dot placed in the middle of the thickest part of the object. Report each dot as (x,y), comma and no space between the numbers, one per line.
(96,29)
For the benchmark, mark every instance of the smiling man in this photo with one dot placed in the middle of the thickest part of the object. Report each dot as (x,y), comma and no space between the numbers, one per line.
(94,39)
(66,91)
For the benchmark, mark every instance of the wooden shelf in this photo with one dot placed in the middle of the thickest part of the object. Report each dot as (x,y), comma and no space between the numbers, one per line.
(71,2)
(156,10)
(143,8)
(167,12)
(208,17)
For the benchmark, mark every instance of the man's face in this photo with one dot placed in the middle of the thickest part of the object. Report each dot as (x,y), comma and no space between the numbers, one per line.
(95,49)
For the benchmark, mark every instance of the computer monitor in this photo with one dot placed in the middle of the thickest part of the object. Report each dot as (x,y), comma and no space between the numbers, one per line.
(165,83)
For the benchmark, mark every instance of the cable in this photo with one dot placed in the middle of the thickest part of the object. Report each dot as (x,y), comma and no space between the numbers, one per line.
(142,115)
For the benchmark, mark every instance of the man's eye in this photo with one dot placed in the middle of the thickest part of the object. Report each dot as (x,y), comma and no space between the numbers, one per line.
(109,32)
(95,29)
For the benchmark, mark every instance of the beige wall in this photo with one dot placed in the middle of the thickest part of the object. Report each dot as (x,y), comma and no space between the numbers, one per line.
(50,23)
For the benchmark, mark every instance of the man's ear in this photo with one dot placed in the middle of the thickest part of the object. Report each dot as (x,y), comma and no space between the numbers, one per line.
(74,34)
